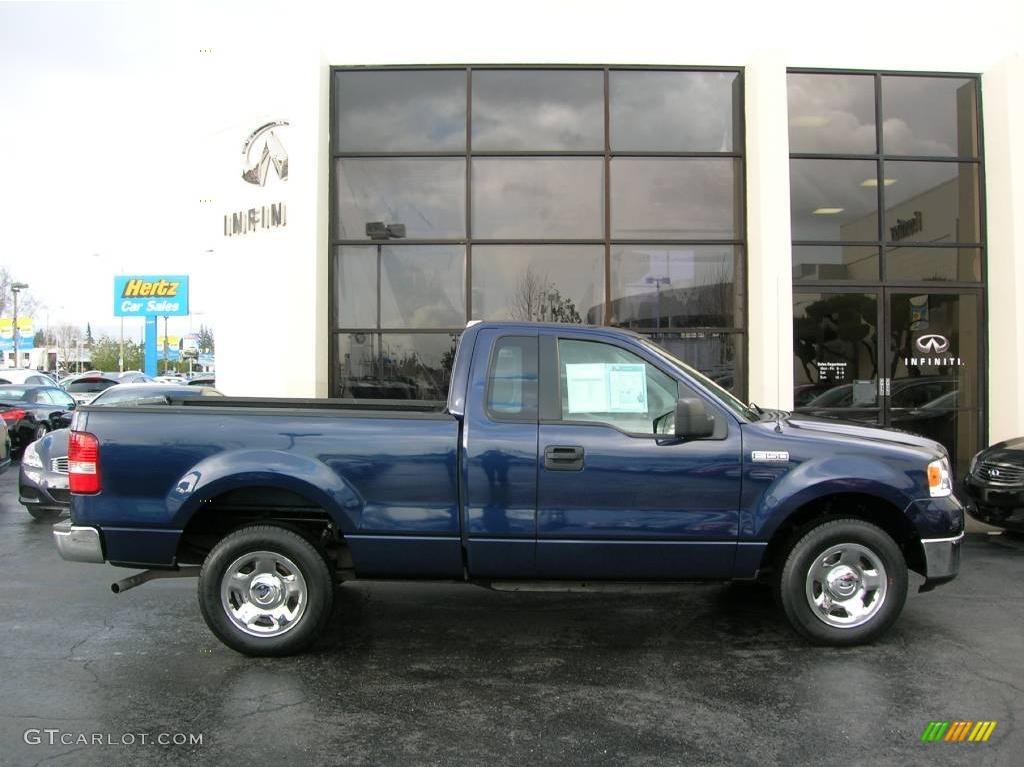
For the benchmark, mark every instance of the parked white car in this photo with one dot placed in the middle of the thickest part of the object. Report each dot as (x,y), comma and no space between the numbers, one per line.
(25,376)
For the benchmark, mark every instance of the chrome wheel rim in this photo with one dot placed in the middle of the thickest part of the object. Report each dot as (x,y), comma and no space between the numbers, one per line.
(846,585)
(264,594)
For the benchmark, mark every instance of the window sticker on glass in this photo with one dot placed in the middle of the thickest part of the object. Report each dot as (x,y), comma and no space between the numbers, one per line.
(627,388)
(587,385)
(606,387)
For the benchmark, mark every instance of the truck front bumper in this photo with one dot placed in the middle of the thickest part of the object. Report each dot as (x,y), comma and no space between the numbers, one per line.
(942,560)
(79,543)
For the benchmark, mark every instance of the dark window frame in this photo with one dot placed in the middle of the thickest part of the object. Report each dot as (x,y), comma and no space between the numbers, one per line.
(737,153)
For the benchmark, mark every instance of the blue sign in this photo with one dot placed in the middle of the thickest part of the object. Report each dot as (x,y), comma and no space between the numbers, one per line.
(24,344)
(150,295)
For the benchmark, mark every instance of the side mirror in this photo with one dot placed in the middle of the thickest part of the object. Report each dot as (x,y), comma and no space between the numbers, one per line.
(693,419)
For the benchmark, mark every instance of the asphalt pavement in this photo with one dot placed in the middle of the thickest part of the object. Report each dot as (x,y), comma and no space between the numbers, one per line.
(454,674)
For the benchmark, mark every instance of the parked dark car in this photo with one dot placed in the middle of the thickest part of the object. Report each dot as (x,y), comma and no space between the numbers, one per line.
(43,477)
(85,388)
(31,411)
(995,485)
(5,446)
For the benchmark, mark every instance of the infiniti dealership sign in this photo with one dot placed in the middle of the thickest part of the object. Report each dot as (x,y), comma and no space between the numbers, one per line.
(264,165)
(932,343)
(932,347)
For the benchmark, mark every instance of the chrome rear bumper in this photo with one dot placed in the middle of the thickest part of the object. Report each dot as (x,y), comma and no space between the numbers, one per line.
(78,543)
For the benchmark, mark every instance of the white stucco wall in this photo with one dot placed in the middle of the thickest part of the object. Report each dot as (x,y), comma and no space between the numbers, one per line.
(1003,94)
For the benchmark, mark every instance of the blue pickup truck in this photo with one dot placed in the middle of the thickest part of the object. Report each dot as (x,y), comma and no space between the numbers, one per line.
(564,455)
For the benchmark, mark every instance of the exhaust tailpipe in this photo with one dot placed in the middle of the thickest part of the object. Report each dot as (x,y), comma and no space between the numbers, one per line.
(141,578)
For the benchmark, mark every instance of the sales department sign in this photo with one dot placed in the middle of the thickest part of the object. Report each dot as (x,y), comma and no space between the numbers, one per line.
(150,295)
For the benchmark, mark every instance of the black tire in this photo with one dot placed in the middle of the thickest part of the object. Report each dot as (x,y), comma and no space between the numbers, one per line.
(799,591)
(285,545)
(39,433)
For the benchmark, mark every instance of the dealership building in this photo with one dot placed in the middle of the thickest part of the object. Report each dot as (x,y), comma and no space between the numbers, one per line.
(839,229)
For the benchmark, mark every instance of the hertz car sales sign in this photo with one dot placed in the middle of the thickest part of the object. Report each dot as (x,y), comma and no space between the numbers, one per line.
(150,295)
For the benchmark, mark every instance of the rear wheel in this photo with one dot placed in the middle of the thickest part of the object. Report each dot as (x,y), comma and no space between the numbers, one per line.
(265,590)
(844,583)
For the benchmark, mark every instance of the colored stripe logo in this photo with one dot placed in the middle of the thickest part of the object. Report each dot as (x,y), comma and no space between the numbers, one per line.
(958,730)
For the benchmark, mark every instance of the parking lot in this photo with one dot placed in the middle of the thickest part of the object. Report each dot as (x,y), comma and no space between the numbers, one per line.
(443,674)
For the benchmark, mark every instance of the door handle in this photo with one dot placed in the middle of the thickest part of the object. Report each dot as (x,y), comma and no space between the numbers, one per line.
(566,458)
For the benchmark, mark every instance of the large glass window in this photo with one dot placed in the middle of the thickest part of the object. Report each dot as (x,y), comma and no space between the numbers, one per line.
(832,114)
(866,184)
(538,197)
(549,283)
(427,195)
(538,110)
(887,231)
(675,111)
(392,111)
(593,195)
(930,116)
(675,198)
(674,286)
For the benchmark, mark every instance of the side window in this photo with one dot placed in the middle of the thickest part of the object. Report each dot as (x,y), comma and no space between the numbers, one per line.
(61,398)
(512,379)
(604,383)
(44,396)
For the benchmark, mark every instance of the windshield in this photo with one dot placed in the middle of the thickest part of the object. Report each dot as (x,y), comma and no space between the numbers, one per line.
(12,393)
(734,404)
(89,385)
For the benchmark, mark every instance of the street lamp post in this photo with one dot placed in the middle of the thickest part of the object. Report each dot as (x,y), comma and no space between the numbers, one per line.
(378,231)
(16,288)
(658,282)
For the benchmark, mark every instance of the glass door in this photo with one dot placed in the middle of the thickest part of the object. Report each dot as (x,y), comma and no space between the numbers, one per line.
(836,353)
(933,380)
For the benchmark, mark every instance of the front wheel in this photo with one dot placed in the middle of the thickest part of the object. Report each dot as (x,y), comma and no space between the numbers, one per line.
(265,590)
(844,583)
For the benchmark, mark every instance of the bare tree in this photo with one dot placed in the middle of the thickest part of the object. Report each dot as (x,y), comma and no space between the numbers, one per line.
(67,337)
(27,305)
(537,298)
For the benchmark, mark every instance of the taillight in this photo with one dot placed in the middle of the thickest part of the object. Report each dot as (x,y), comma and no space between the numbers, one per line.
(15,414)
(83,463)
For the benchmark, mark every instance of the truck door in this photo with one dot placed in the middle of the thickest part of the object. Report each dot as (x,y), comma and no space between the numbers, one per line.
(499,525)
(614,500)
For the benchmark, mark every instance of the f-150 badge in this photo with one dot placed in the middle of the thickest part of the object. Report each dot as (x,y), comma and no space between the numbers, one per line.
(762,456)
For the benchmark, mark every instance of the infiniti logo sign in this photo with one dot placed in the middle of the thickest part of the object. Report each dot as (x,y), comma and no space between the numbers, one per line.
(263,150)
(264,159)
(932,344)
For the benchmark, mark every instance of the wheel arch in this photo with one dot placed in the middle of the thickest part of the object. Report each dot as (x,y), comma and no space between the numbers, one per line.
(873,509)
